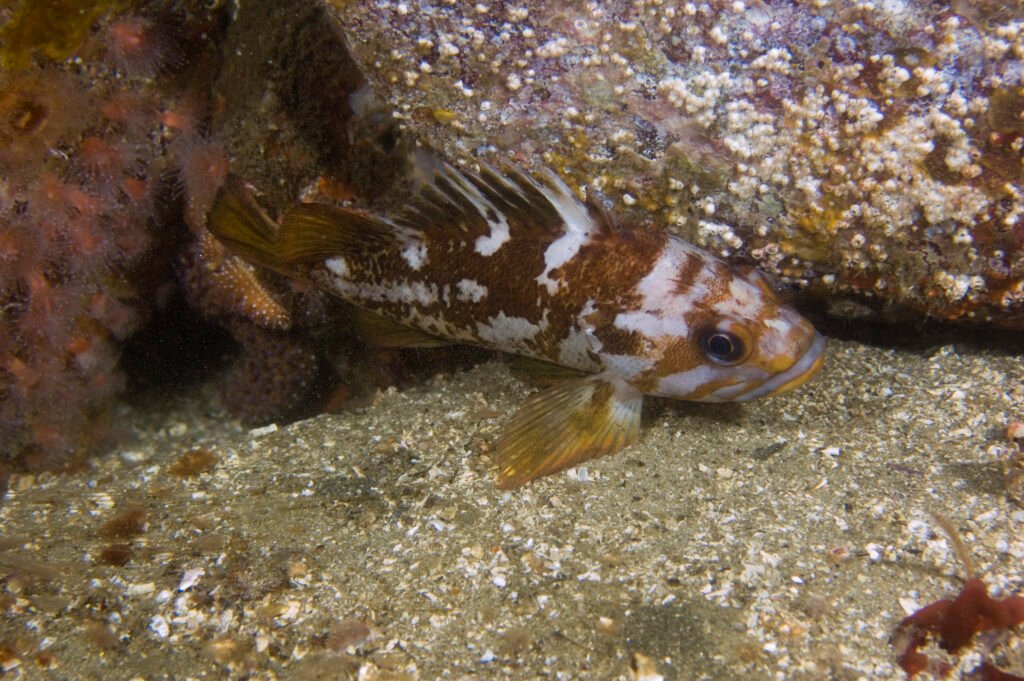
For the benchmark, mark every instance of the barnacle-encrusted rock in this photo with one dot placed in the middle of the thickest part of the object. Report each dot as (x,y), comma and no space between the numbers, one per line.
(864,147)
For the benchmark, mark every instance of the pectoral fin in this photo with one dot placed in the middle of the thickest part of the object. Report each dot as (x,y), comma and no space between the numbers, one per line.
(566,425)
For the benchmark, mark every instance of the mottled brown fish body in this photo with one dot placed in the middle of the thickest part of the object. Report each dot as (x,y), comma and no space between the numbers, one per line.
(518,264)
(497,301)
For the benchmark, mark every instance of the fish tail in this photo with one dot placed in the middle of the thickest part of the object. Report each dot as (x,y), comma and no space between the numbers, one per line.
(239,222)
(308,233)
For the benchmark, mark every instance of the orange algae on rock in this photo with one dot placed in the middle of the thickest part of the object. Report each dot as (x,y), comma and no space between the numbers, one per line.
(51,28)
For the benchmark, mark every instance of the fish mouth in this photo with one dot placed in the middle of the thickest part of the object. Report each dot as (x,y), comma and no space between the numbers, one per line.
(793,377)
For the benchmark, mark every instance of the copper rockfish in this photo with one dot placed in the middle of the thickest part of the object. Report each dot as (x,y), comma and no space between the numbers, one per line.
(515,262)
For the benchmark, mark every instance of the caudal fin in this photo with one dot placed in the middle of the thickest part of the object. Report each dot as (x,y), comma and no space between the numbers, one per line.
(308,233)
(238,221)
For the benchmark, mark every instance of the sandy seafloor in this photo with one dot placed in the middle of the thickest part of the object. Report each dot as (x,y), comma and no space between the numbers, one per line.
(778,539)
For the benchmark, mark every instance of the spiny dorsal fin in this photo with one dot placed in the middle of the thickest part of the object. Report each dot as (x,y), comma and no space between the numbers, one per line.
(600,208)
(309,232)
(464,203)
(460,203)
(566,425)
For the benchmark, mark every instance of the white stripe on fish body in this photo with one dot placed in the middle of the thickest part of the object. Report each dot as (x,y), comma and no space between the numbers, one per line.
(743,301)
(423,305)
(626,367)
(470,290)
(338,266)
(489,244)
(690,381)
(415,254)
(578,224)
(663,308)
(579,349)
(364,293)
(513,334)
(560,251)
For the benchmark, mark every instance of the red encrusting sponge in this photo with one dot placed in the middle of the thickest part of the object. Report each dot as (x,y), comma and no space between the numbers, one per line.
(84,150)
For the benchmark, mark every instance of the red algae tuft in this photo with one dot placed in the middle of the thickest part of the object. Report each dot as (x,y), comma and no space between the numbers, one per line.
(953,624)
(139,47)
(204,167)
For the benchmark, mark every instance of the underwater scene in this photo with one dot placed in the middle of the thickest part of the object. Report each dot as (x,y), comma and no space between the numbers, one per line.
(390,340)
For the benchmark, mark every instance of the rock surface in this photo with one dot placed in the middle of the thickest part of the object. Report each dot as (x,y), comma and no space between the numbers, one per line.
(870,150)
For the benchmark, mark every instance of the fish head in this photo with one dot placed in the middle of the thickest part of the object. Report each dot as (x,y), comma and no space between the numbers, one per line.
(741,342)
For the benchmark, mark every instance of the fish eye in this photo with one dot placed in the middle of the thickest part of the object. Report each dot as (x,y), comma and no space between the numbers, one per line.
(723,346)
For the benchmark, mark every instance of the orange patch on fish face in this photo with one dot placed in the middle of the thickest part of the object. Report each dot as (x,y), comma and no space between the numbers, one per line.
(801,378)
